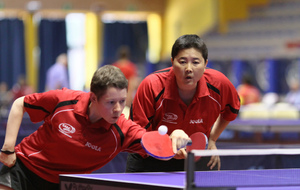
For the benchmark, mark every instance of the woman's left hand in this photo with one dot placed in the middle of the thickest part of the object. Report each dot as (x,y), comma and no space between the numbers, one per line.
(214,160)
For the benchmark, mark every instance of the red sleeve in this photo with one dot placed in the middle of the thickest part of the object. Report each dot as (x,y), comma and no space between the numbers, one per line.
(230,101)
(133,134)
(40,105)
(143,106)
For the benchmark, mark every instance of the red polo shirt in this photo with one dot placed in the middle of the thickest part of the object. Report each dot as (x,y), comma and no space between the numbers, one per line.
(157,102)
(127,67)
(67,142)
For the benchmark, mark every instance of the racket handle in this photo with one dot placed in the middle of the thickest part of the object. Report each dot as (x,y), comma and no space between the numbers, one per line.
(189,143)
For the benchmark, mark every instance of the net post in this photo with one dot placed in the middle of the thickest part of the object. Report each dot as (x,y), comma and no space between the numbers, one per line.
(189,171)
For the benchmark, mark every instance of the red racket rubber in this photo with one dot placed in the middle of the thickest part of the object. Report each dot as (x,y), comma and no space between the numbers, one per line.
(200,142)
(157,145)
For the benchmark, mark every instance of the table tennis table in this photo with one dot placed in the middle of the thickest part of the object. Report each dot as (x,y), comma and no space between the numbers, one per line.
(275,179)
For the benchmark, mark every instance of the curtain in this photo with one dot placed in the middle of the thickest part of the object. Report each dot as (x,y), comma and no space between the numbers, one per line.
(52,42)
(133,35)
(12,52)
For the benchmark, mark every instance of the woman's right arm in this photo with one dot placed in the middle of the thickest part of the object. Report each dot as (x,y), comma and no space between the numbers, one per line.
(142,107)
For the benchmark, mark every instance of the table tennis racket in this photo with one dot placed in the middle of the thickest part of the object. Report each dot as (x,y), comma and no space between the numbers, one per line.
(160,146)
(200,142)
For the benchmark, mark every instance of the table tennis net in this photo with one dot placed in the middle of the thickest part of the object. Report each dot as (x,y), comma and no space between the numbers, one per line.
(273,174)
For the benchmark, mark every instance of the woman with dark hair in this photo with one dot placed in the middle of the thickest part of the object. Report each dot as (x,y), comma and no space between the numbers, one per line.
(186,96)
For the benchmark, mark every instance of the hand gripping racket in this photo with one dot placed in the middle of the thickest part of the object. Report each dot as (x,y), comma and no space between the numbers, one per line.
(160,146)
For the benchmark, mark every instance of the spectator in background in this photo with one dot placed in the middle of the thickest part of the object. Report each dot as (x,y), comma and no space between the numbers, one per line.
(248,92)
(5,99)
(293,96)
(21,88)
(130,71)
(57,74)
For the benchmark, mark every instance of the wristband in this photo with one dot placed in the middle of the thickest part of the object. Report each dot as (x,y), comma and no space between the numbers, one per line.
(7,152)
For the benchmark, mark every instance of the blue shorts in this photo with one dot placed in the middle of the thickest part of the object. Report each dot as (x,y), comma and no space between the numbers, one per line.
(19,177)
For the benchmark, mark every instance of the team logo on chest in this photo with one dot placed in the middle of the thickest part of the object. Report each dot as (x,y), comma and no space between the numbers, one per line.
(66,129)
(170,118)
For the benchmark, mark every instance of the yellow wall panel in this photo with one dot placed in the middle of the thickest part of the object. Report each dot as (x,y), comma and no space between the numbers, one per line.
(154,37)
(187,17)
(235,10)
(91,46)
(30,30)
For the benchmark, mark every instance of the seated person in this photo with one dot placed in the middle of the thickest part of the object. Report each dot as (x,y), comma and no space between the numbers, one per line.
(248,92)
